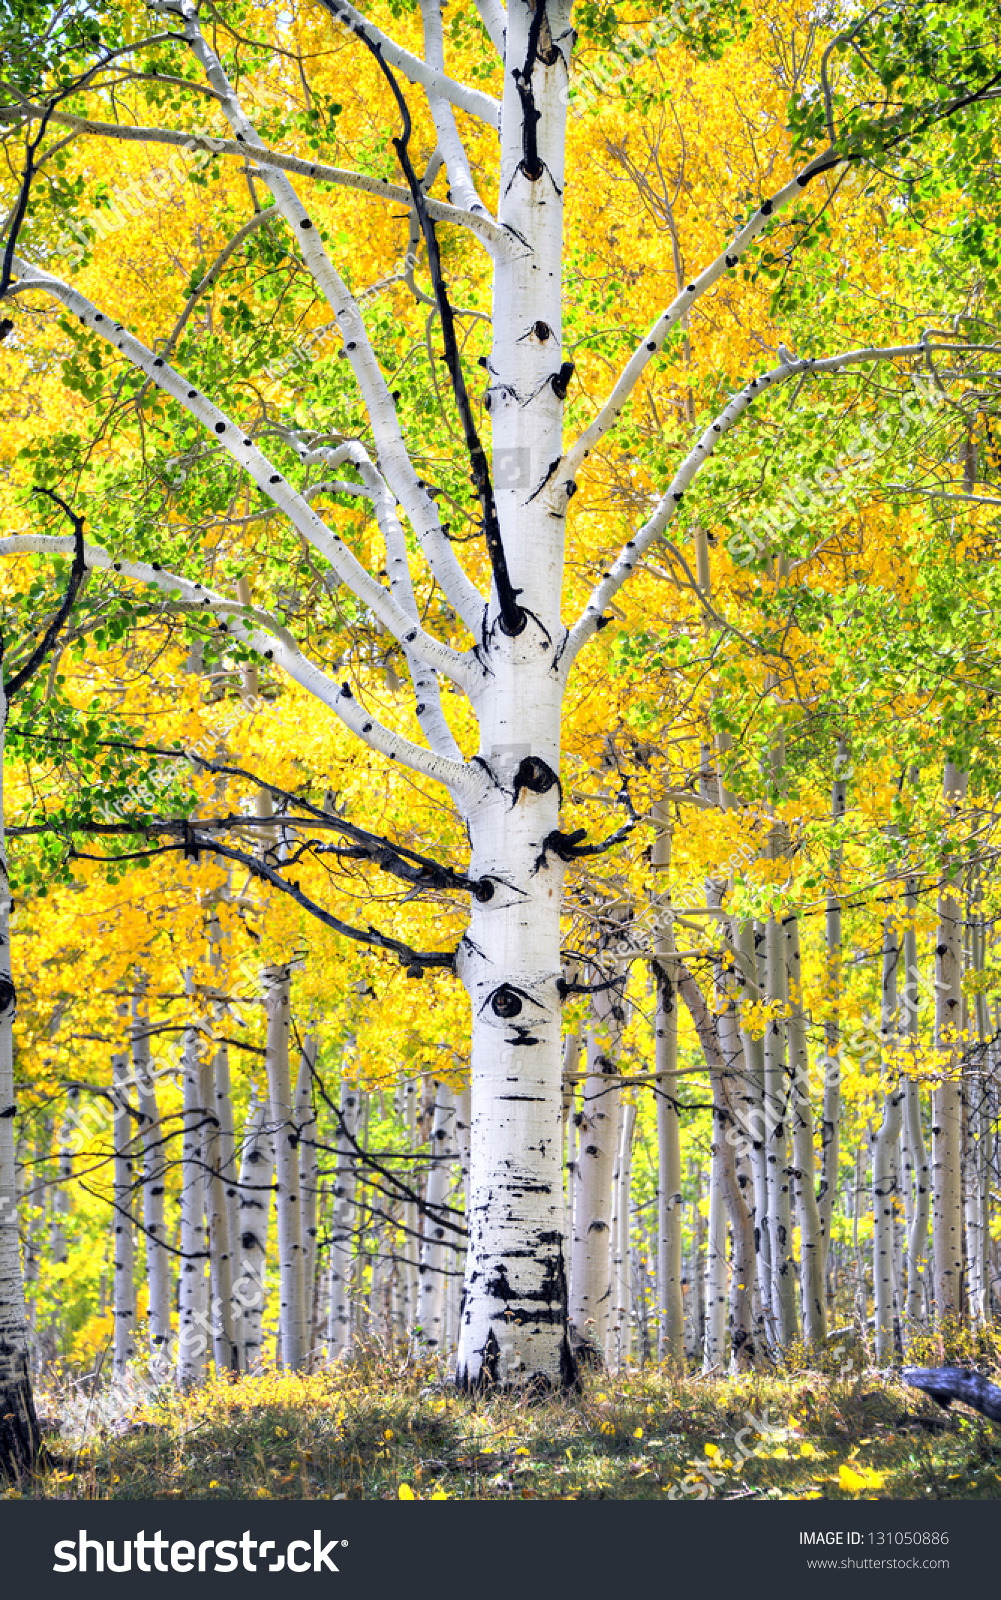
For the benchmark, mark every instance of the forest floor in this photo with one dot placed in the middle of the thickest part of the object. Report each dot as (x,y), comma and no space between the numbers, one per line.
(381,1429)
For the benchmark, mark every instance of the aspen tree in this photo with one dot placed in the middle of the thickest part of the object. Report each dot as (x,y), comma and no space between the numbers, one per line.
(124,1132)
(306,1133)
(883,1177)
(342,1226)
(947,1094)
(291,1303)
(811,1259)
(516,669)
(431,1281)
(917,1237)
(193,1329)
(257,1166)
(158,1261)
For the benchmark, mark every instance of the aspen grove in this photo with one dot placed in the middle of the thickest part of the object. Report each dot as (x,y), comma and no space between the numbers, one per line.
(502,759)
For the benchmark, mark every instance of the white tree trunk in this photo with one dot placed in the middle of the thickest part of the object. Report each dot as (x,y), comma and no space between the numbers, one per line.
(257,1167)
(282,1112)
(218,1155)
(124,1352)
(917,1236)
(622,1306)
(883,1166)
(434,1252)
(309,1181)
(19,1437)
(750,1099)
(192,1341)
(158,1258)
(947,1096)
(783,1296)
(411,1215)
(830,1138)
(341,1234)
(670,1211)
(596,1151)
(808,1214)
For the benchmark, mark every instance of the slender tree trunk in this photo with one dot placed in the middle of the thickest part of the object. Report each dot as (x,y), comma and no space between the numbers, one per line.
(750,1097)
(19,1437)
(947,1096)
(811,1261)
(883,1174)
(224,1345)
(154,1177)
(670,1209)
(124,1204)
(309,1179)
(431,1294)
(411,1216)
(783,1296)
(830,1139)
(341,1237)
(617,1339)
(917,1238)
(257,1166)
(282,1112)
(596,1151)
(192,1341)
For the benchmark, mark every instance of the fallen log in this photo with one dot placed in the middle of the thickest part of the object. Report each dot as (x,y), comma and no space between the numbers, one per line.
(946,1384)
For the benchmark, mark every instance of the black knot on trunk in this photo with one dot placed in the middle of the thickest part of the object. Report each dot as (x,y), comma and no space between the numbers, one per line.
(506,1002)
(535,774)
(561,380)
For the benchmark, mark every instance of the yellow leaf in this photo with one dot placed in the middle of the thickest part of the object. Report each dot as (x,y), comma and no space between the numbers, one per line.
(638,1434)
(406,1493)
(712,1450)
(807,1449)
(439,1494)
(521,1451)
(855,1482)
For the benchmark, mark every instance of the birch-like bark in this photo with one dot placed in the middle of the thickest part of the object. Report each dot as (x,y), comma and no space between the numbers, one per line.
(811,1261)
(19,1436)
(282,1113)
(411,1216)
(619,1338)
(917,1236)
(218,1155)
(192,1341)
(596,1150)
(783,1296)
(571,1069)
(158,1258)
(947,1095)
(341,1235)
(123,1257)
(670,1207)
(883,1174)
(309,1181)
(257,1166)
(431,1288)
(830,1138)
(751,1101)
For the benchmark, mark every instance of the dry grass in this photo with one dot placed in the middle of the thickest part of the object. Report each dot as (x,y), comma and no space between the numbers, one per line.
(378,1429)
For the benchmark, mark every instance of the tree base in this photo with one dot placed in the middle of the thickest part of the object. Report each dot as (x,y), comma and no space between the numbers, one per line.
(533,1384)
(20,1437)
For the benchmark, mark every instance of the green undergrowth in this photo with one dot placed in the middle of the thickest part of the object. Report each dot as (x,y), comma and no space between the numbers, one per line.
(379,1429)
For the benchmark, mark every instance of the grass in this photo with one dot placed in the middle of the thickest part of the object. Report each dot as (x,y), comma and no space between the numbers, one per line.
(376,1429)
